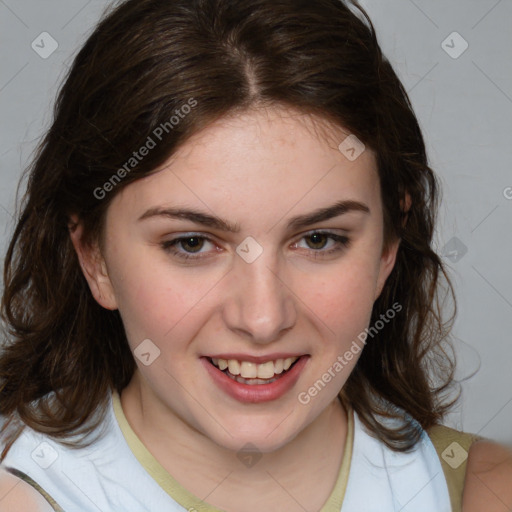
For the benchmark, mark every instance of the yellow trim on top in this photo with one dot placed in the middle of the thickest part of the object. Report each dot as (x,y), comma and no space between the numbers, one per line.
(443,438)
(335,500)
(186,499)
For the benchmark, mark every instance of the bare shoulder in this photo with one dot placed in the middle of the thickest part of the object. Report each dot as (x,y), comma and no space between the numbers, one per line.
(15,494)
(488,484)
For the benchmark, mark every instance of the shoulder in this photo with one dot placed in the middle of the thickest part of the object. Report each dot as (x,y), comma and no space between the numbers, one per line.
(488,483)
(15,494)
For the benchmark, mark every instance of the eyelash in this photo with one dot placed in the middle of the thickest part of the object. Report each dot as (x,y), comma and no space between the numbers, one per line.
(342,242)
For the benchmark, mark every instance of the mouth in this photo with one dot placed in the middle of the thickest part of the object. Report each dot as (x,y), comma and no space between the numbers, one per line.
(253,374)
(256,381)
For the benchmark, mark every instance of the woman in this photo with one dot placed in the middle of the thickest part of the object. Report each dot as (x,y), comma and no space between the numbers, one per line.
(221,291)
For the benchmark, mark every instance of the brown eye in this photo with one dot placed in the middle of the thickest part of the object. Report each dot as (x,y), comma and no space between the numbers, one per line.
(317,240)
(189,246)
(192,243)
(322,244)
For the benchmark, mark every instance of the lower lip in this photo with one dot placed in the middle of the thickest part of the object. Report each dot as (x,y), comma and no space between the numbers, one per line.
(256,393)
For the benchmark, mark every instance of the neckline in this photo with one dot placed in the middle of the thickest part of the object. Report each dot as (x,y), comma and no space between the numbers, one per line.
(188,500)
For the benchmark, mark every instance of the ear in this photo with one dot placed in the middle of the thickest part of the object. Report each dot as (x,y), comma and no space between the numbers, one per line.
(387,262)
(405,206)
(93,266)
(388,258)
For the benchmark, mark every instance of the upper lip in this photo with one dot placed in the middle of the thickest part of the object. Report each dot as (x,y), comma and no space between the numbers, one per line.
(255,359)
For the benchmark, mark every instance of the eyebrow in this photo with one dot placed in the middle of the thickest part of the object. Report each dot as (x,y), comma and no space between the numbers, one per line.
(215,222)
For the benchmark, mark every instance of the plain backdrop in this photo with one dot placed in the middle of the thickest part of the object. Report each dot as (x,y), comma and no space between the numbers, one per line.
(455,60)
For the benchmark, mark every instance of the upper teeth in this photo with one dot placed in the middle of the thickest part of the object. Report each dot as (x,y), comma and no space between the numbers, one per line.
(250,370)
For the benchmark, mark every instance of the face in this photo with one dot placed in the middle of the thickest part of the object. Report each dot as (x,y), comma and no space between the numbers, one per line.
(259,244)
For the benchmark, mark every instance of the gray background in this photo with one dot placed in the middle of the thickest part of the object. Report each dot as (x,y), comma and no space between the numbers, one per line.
(464,105)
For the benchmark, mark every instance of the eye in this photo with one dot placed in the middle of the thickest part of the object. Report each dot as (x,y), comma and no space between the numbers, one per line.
(189,246)
(193,246)
(322,243)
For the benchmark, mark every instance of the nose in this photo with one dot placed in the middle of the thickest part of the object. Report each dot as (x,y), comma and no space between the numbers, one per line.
(260,306)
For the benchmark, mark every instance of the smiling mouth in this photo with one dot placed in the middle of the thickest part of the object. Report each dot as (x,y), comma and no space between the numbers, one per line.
(246,372)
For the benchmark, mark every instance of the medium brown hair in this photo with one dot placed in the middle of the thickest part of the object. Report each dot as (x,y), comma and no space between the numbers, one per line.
(64,353)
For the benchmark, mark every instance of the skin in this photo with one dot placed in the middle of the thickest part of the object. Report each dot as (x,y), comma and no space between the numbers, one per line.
(15,494)
(488,484)
(256,171)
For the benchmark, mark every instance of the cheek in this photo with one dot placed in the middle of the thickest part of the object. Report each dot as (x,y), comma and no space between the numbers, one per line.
(343,300)
(154,300)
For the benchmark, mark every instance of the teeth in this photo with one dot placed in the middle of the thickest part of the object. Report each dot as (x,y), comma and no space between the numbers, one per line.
(279,366)
(265,370)
(234,367)
(249,370)
(288,362)
(251,382)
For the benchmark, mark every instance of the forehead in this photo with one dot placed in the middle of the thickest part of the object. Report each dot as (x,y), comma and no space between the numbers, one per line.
(270,132)
(265,161)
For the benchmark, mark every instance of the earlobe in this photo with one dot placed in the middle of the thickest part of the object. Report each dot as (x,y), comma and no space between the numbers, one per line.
(93,267)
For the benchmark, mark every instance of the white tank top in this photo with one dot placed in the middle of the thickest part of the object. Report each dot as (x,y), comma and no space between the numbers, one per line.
(118,474)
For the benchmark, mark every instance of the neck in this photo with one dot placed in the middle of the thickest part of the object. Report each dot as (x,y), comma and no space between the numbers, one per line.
(199,464)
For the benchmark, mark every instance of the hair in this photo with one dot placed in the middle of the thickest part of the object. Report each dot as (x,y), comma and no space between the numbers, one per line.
(142,64)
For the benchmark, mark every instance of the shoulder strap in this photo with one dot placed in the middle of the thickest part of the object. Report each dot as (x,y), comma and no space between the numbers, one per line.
(36,486)
(452,447)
